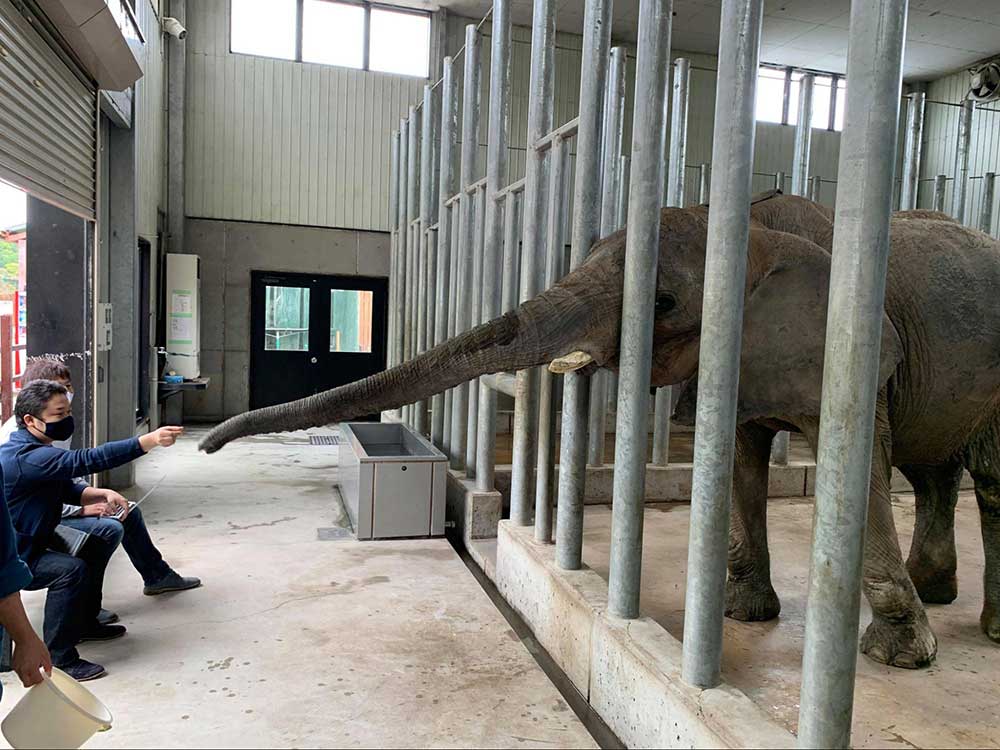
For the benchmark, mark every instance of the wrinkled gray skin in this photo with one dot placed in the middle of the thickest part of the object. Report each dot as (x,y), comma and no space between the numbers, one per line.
(937,409)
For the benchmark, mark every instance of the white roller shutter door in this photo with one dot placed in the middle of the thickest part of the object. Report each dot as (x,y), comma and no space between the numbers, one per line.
(48,120)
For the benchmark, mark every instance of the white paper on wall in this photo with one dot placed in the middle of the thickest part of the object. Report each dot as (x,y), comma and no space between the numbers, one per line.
(181,329)
(180,302)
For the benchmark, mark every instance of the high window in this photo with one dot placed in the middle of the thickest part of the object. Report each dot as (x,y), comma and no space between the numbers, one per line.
(361,35)
(778,97)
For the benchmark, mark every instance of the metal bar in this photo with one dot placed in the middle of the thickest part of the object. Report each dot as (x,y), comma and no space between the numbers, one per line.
(614,126)
(472,410)
(641,258)
(663,402)
(511,253)
(911,150)
(545,472)
(586,231)
(815,186)
(704,183)
(446,185)
(399,311)
(540,86)
(514,187)
(393,244)
(623,183)
(940,185)
(449,399)
(424,296)
(453,200)
(496,172)
(463,285)
(779,181)
(413,246)
(503,382)
(986,216)
(803,136)
(719,358)
(850,370)
(474,187)
(959,194)
(563,132)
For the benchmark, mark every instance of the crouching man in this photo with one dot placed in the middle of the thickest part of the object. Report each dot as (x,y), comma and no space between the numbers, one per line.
(38,480)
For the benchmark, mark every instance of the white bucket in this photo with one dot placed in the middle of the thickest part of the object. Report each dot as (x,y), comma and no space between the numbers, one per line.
(58,712)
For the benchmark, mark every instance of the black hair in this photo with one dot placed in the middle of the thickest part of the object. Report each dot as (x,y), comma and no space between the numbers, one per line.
(45,368)
(34,397)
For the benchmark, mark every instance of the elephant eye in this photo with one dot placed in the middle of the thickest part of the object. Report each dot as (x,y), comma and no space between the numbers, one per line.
(665,303)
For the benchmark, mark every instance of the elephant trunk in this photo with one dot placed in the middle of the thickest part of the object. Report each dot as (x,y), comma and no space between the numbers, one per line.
(551,325)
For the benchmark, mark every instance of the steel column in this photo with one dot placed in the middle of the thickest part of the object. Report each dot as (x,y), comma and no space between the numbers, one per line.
(446,187)
(614,125)
(399,310)
(721,326)
(511,252)
(545,472)
(959,194)
(586,228)
(496,173)
(663,403)
(540,85)
(986,215)
(472,415)
(463,286)
(780,178)
(413,246)
(427,197)
(642,252)
(850,371)
(449,397)
(393,245)
(815,186)
(940,185)
(911,150)
(803,137)
(704,183)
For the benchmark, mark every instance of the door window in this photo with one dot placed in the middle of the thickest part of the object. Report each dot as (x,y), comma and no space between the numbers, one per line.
(286,315)
(351,321)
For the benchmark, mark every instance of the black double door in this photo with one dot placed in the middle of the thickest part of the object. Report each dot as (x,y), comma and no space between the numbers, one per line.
(311,332)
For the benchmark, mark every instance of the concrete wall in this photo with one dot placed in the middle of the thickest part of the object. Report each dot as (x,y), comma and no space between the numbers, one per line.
(150,115)
(940,138)
(229,251)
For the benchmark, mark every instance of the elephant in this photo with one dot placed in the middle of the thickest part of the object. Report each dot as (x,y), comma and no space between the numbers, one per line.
(938,407)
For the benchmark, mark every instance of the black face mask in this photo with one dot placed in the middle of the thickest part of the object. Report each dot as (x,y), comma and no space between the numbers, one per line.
(60,430)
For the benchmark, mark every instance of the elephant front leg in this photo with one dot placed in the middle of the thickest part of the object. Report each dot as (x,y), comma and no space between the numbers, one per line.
(899,634)
(932,561)
(749,594)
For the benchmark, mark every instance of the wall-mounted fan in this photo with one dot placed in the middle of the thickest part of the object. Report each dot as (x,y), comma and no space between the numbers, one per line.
(985,82)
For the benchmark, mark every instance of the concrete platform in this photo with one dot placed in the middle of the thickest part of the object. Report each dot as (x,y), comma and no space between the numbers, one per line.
(951,704)
(296,642)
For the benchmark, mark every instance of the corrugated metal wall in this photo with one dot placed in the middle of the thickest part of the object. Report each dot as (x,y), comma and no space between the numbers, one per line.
(940,139)
(150,114)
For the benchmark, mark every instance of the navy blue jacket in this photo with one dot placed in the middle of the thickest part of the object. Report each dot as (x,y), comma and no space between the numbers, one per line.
(14,574)
(38,479)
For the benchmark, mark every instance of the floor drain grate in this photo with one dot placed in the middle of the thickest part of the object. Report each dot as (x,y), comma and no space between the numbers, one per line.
(324,440)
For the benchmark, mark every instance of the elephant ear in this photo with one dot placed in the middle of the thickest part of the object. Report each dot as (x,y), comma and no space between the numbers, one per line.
(784,336)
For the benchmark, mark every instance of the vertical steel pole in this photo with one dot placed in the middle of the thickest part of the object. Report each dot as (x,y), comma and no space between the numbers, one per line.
(496,174)
(449,399)
(446,187)
(940,185)
(424,296)
(721,325)
(779,181)
(620,213)
(663,403)
(911,149)
(642,252)
(511,252)
(986,216)
(393,244)
(401,242)
(586,224)
(704,183)
(815,186)
(803,137)
(614,125)
(540,85)
(463,286)
(850,371)
(472,414)
(413,244)
(959,194)
(545,473)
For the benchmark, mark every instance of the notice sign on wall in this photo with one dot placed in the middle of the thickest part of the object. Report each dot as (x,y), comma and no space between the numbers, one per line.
(181,317)
(180,301)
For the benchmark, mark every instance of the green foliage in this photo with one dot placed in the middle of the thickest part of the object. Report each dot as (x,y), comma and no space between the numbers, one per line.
(8,253)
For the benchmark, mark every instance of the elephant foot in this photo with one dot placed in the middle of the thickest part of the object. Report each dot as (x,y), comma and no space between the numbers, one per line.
(909,645)
(934,586)
(989,621)
(751,601)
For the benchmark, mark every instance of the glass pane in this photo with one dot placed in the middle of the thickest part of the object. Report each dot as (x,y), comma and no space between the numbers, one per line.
(264,27)
(821,101)
(838,120)
(286,319)
(333,33)
(350,321)
(400,42)
(770,94)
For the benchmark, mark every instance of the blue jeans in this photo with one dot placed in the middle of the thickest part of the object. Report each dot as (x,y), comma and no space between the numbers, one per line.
(71,585)
(134,538)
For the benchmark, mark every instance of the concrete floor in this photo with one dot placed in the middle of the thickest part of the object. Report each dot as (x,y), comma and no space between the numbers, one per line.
(295,642)
(951,704)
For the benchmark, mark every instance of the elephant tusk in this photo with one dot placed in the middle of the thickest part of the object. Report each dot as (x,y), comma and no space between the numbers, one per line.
(570,362)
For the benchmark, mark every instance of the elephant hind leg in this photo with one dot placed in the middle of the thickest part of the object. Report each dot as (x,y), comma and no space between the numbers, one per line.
(932,561)
(749,594)
(983,462)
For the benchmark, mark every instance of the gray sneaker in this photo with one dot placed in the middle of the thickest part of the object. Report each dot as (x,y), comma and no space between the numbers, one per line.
(172,581)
